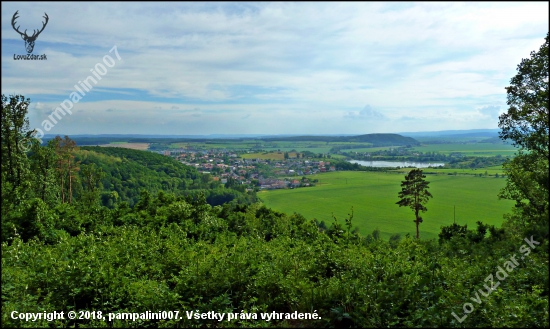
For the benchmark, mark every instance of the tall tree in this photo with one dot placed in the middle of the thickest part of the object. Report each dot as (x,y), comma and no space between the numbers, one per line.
(526,124)
(15,138)
(414,194)
(91,181)
(66,166)
(44,182)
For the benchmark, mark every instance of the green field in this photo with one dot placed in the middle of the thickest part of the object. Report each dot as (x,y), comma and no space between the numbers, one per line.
(451,139)
(491,171)
(370,149)
(373,196)
(208,146)
(470,149)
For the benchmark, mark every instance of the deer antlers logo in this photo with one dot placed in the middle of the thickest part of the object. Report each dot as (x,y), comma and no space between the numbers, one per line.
(29,40)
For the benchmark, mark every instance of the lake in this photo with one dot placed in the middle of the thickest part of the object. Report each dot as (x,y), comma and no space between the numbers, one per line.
(396,164)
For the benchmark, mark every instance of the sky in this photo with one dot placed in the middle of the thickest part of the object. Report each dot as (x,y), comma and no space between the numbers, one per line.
(267,68)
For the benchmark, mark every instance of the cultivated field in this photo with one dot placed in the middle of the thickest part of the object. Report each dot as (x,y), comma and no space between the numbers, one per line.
(470,149)
(211,146)
(373,196)
(133,146)
(269,155)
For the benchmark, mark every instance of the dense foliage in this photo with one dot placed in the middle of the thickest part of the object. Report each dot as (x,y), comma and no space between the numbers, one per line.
(527,125)
(173,254)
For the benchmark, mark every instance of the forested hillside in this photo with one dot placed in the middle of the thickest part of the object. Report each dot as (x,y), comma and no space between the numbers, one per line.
(127,171)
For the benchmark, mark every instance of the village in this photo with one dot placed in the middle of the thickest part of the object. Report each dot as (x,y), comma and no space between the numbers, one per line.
(254,173)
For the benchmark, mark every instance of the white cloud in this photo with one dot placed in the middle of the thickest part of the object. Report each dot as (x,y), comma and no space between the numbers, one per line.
(490,111)
(277,61)
(367,113)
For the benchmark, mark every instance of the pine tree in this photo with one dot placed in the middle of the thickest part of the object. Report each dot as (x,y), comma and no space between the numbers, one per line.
(415,194)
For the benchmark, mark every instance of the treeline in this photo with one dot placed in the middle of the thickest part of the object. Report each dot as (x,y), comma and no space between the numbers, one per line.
(474,162)
(452,160)
(398,154)
(336,149)
(345,165)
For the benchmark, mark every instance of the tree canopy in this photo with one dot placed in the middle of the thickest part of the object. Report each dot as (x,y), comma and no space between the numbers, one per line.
(526,124)
(526,121)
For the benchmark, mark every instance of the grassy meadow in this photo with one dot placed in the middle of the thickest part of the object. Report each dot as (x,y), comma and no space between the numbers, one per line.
(491,171)
(470,149)
(370,149)
(373,196)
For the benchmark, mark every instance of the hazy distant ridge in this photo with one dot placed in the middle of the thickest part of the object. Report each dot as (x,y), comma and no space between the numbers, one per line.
(454,133)
(375,139)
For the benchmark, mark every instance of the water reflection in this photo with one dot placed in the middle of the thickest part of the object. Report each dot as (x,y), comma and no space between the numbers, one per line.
(385,164)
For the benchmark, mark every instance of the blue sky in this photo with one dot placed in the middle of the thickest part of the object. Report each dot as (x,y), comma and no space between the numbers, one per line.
(271,68)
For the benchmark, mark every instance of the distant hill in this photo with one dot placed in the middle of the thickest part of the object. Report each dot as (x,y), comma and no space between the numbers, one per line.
(454,133)
(375,139)
(495,140)
(383,139)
